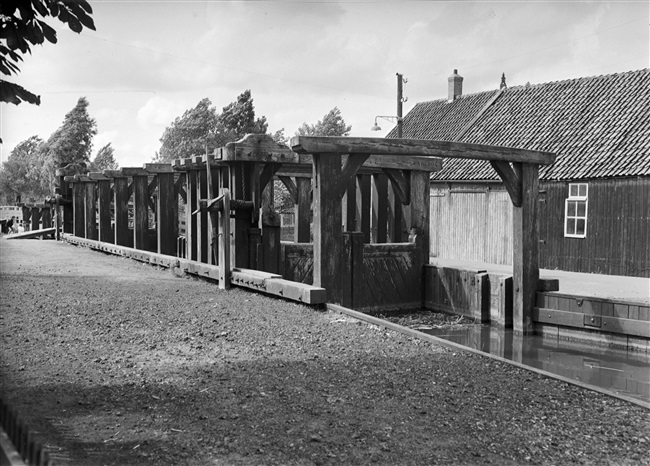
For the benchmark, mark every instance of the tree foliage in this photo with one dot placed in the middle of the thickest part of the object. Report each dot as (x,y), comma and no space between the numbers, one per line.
(21,176)
(72,143)
(238,118)
(104,160)
(189,134)
(201,128)
(332,124)
(22,25)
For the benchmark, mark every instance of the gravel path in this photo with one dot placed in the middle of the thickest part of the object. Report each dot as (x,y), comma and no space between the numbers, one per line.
(111,361)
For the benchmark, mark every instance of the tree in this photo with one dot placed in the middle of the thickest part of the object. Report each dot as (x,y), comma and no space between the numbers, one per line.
(332,124)
(201,128)
(71,144)
(189,134)
(21,177)
(238,118)
(21,27)
(104,160)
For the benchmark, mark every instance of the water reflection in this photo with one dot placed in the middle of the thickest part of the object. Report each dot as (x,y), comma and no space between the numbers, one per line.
(625,372)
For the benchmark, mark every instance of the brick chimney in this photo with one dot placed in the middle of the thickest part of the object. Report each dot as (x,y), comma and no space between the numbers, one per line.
(455,86)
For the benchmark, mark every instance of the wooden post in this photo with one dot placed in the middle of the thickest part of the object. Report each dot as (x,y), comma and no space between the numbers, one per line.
(35,218)
(327,224)
(525,260)
(379,218)
(167,215)
(224,241)
(46,217)
(420,205)
(302,223)
(68,207)
(241,189)
(91,210)
(363,206)
(191,220)
(121,206)
(104,203)
(140,212)
(202,237)
(351,267)
(350,206)
(79,211)
(271,231)
(394,216)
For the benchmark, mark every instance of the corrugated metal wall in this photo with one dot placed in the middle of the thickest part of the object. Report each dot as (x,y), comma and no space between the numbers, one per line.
(474,222)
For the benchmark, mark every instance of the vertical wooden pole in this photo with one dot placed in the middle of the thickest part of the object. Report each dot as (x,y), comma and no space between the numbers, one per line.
(35,218)
(224,241)
(91,210)
(191,220)
(202,219)
(327,224)
(395,234)
(525,260)
(420,206)
(379,208)
(363,206)
(303,211)
(351,267)
(121,206)
(46,217)
(350,207)
(79,211)
(214,187)
(271,231)
(167,215)
(140,212)
(68,208)
(241,189)
(104,204)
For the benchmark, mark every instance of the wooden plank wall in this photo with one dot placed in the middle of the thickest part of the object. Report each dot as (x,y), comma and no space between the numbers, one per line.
(391,278)
(618,226)
(473,223)
(297,262)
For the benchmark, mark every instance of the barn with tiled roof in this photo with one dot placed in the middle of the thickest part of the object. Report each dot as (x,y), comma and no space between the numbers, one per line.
(595,198)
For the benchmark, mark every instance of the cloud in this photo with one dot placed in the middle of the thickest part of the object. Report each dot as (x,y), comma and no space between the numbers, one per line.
(158,112)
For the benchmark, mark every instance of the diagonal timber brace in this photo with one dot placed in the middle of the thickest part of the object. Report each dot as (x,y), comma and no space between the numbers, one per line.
(401,182)
(511,176)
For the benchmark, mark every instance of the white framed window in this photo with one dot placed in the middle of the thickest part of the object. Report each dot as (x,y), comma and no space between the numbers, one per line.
(575,211)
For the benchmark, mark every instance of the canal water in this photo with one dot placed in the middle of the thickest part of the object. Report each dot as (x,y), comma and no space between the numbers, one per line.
(617,370)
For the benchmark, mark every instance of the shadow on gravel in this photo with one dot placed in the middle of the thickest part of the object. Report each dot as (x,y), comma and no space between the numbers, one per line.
(320,412)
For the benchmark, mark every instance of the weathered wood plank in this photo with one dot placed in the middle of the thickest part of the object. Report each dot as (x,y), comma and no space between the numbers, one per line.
(302,211)
(104,204)
(327,224)
(416,147)
(167,214)
(379,219)
(510,179)
(121,206)
(140,212)
(525,251)
(79,212)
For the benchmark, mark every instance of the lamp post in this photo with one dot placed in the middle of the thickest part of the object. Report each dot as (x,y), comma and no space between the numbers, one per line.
(400,100)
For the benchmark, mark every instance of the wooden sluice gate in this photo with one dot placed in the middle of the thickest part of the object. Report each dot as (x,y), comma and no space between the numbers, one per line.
(362,220)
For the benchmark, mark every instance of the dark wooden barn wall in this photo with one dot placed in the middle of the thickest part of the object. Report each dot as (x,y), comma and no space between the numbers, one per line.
(475,223)
(618,228)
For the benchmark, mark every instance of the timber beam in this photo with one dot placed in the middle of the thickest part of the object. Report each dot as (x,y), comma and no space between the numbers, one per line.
(416,147)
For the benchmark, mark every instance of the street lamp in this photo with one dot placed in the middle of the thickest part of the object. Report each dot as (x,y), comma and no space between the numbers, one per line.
(392,119)
(400,100)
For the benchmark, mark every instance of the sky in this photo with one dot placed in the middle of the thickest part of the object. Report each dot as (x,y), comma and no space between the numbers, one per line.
(150,61)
